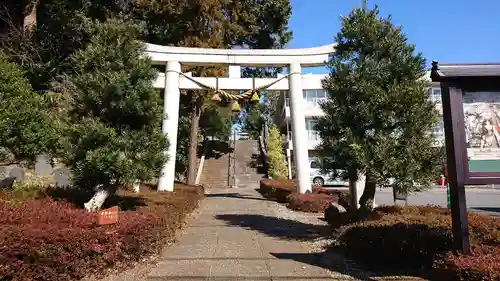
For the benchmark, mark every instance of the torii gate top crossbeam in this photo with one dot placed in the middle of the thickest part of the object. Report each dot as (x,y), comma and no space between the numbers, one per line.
(317,56)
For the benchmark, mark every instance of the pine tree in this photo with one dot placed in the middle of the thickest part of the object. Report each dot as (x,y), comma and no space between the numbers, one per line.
(378,115)
(114,132)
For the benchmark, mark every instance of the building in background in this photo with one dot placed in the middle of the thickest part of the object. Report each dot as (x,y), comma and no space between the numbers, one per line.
(313,96)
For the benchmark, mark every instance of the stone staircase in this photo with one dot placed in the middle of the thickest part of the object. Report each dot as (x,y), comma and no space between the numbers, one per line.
(223,161)
(215,172)
(248,170)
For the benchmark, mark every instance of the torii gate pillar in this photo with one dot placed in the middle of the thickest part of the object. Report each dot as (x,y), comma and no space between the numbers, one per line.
(170,123)
(300,152)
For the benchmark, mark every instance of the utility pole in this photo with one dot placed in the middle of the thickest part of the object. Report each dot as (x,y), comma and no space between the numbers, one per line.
(364,5)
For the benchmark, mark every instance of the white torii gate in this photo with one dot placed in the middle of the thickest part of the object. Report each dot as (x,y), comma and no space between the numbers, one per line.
(294,59)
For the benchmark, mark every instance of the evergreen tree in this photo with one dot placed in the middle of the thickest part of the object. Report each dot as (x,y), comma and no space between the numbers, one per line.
(25,127)
(114,132)
(275,157)
(378,115)
(207,23)
(252,121)
(254,116)
(216,121)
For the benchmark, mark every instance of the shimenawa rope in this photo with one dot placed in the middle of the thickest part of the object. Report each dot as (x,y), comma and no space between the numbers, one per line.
(228,96)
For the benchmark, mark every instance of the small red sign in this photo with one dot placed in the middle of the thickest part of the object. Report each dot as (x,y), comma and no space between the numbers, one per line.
(108,216)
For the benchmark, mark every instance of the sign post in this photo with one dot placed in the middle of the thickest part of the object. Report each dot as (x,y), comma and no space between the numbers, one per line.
(448,201)
(108,216)
(471,114)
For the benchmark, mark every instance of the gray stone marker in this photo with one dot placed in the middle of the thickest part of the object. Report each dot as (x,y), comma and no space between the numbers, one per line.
(17,172)
(3,172)
(62,176)
(42,166)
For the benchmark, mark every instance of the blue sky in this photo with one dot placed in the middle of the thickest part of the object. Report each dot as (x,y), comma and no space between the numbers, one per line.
(449,31)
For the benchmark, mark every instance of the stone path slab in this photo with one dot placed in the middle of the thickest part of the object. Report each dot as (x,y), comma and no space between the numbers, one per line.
(235,237)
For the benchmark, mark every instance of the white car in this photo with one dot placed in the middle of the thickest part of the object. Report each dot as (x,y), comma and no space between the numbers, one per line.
(321,179)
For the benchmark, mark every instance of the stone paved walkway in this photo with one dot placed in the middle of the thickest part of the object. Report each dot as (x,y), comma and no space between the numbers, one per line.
(237,236)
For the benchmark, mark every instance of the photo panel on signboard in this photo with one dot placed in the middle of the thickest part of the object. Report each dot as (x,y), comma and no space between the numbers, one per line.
(482,130)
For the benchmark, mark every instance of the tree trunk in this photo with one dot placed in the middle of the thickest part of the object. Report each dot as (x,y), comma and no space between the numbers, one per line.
(193,138)
(30,17)
(102,192)
(137,186)
(367,200)
(205,145)
(353,192)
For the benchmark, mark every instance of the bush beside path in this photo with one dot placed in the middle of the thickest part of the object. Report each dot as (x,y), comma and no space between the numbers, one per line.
(285,191)
(52,239)
(419,238)
(395,239)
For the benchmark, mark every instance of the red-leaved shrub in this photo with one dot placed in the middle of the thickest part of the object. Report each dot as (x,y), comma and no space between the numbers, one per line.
(420,236)
(314,203)
(285,191)
(46,239)
(277,189)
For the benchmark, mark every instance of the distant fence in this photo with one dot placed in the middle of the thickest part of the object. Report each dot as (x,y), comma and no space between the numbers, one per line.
(240,136)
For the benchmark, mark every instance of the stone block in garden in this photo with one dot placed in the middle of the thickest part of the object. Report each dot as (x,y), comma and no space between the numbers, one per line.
(4,171)
(7,182)
(17,173)
(334,213)
(62,176)
(43,168)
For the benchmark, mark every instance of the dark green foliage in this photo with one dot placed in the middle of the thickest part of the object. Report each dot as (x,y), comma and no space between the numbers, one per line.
(25,127)
(254,116)
(211,23)
(114,127)
(44,53)
(252,121)
(181,159)
(378,115)
(216,121)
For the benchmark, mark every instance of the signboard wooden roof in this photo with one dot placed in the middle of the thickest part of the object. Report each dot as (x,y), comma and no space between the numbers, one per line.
(443,72)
